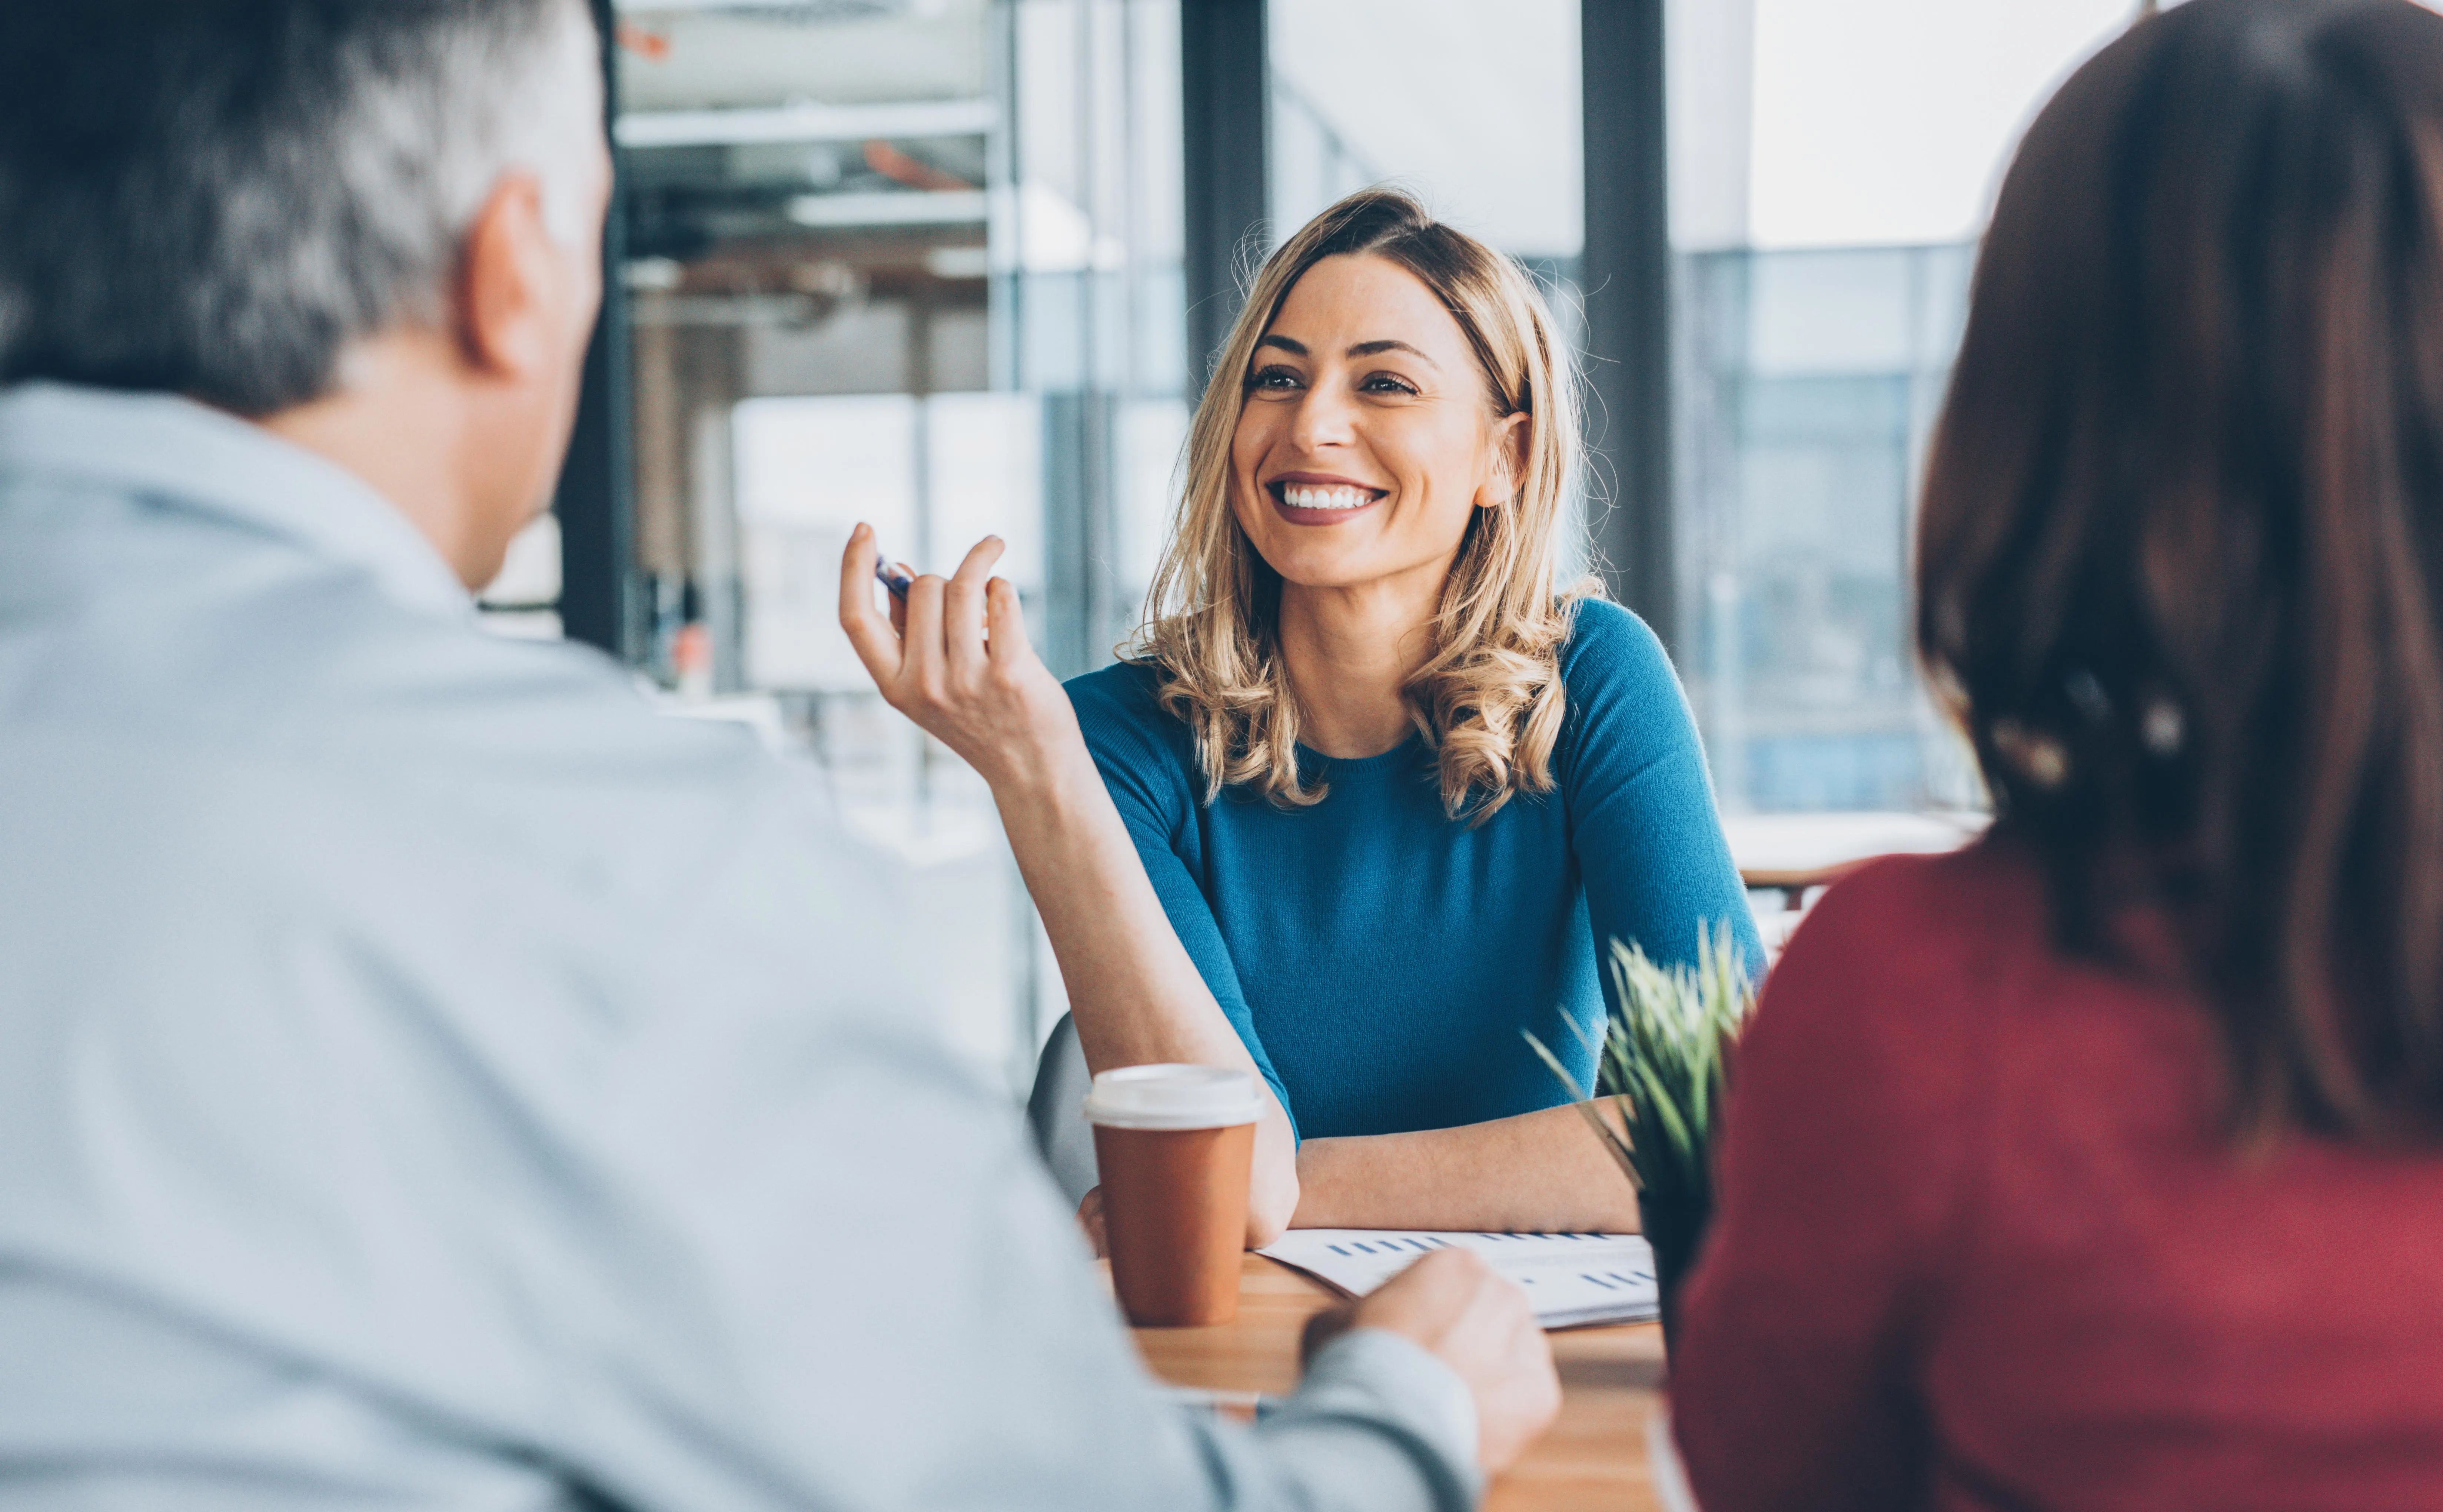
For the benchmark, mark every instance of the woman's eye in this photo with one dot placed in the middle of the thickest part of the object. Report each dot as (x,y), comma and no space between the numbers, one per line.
(1276,378)
(1387,383)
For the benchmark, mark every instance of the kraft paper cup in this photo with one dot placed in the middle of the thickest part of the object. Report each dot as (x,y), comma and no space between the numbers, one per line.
(1175,1144)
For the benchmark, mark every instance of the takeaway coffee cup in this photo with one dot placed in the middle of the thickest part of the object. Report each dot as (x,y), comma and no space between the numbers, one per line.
(1174,1145)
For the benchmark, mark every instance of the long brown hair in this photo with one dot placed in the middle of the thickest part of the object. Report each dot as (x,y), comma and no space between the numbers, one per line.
(2182,533)
(1490,695)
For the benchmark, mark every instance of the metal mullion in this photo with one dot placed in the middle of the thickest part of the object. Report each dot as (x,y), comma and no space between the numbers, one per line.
(1224,112)
(595,495)
(1627,275)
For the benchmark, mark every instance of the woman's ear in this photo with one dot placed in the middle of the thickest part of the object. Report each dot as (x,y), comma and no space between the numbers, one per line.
(1507,452)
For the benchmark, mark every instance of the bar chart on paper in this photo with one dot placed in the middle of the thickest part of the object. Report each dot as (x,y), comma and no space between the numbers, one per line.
(1574,1279)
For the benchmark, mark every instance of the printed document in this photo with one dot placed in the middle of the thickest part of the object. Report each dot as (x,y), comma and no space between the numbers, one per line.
(1572,1278)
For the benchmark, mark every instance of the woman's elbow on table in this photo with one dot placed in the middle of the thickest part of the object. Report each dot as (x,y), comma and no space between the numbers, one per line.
(1267,1225)
(1272,1194)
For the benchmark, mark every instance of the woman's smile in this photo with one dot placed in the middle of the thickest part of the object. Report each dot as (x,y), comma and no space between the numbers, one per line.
(1321,498)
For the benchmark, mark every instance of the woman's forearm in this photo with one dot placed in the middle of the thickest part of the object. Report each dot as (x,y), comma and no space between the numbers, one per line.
(1536,1173)
(952,654)
(1135,994)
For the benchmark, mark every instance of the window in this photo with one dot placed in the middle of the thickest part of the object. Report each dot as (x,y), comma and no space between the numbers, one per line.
(1472,107)
(1831,167)
(915,265)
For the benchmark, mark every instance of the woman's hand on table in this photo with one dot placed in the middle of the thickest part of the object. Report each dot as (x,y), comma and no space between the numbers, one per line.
(953,656)
(1479,1323)
(1532,1172)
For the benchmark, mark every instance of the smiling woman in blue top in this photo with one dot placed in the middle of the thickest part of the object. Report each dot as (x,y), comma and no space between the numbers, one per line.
(1370,790)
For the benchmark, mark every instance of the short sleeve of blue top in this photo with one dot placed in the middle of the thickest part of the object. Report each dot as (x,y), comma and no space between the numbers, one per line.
(1381,959)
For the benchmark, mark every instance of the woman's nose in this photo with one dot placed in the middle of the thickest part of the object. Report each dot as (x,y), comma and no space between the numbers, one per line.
(1325,418)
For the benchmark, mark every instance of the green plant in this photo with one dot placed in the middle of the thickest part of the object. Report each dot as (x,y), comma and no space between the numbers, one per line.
(1661,1062)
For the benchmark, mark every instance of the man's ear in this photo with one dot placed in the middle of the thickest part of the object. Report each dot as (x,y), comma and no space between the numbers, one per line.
(1508,445)
(505,285)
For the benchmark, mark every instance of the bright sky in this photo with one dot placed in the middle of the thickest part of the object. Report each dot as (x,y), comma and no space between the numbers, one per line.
(1880,122)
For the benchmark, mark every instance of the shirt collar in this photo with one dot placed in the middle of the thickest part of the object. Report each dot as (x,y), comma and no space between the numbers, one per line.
(176,452)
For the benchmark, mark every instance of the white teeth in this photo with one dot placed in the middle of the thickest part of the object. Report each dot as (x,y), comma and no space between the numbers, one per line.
(1300,496)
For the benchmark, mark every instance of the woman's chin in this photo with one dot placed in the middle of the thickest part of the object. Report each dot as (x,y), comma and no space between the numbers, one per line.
(1321,570)
(1345,555)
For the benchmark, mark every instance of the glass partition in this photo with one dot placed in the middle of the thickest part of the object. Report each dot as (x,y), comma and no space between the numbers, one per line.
(1831,167)
(913,264)
(1473,108)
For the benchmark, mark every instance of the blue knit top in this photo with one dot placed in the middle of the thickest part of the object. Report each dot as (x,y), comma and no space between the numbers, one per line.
(1381,959)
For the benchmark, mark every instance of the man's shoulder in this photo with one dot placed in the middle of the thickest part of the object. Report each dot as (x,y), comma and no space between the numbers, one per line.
(428,810)
(403,729)
(549,750)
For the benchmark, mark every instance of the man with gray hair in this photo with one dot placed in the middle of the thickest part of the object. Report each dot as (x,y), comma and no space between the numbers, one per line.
(427,1077)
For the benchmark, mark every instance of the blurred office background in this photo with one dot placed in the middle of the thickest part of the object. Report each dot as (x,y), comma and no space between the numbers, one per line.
(954,266)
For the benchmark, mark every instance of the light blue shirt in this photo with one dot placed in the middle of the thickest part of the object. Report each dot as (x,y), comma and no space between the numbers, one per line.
(428,1079)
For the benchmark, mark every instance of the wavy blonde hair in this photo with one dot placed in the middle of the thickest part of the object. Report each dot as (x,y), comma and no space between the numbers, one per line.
(1489,695)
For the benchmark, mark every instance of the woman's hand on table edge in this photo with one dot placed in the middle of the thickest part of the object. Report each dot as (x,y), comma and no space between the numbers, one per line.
(953,656)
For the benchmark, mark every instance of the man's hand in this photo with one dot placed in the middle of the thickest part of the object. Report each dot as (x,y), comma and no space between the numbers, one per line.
(1477,1322)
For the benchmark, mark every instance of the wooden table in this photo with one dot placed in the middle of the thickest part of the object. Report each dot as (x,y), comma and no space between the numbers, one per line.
(1592,1456)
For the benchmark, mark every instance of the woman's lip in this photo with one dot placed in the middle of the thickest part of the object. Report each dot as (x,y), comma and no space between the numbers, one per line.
(1278,490)
(1320,480)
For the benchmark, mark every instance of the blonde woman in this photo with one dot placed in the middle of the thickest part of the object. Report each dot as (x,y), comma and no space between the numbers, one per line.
(1368,793)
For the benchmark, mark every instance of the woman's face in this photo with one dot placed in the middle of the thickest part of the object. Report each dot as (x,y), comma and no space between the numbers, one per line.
(1367,438)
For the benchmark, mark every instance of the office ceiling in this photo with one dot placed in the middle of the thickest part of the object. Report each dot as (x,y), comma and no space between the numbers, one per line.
(842,52)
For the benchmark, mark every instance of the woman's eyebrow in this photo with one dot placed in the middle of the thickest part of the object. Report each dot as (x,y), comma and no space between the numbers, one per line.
(1297,348)
(1376,348)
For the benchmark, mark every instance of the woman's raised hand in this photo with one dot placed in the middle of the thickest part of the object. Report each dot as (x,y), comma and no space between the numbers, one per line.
(954,657)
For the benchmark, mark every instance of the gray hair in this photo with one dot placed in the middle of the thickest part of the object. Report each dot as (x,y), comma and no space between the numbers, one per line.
(217,197)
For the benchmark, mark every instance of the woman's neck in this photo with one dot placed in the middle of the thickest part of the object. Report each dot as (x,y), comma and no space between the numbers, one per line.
(1349,653)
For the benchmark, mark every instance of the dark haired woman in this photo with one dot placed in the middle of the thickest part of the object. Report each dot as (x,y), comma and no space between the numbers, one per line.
(2102,1165)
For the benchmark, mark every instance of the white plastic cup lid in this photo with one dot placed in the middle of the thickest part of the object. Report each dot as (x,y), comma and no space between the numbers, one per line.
(1173,1096)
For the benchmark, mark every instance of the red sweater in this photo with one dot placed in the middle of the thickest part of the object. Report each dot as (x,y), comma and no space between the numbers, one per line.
(1981,1244)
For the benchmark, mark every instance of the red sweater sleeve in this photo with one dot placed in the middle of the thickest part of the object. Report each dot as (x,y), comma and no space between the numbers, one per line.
(1849,1144)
